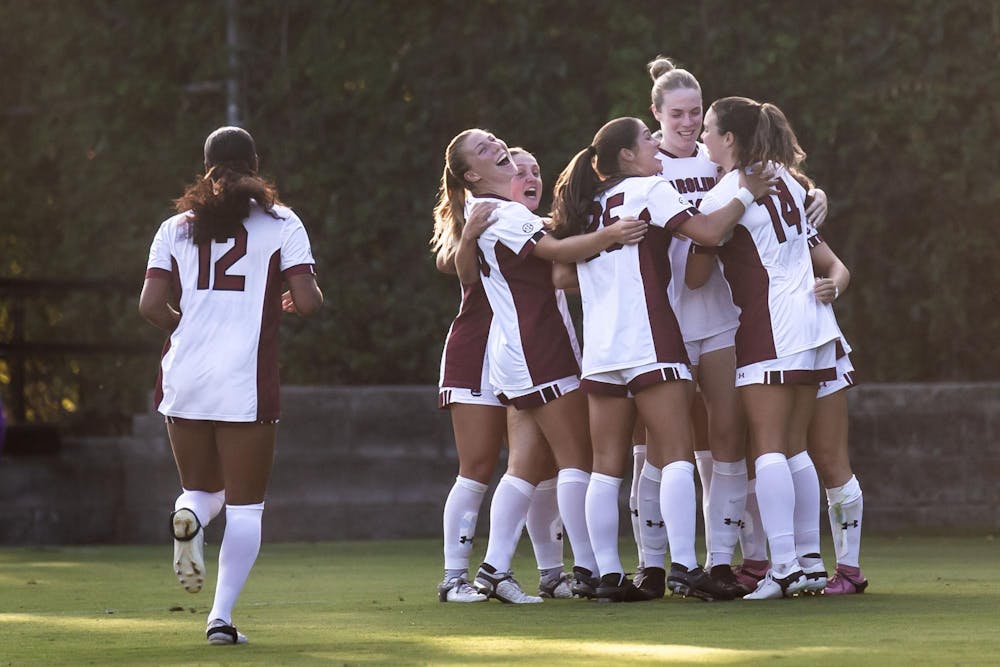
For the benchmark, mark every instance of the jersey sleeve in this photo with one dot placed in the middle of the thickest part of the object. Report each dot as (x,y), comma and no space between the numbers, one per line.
(813,237)
(519,229)
(160,262)
(296,253)
(667,207)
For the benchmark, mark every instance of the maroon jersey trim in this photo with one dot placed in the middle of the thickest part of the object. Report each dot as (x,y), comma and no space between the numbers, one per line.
(548,350)
(268,401)
(465,347)
(750,285)
(299,269)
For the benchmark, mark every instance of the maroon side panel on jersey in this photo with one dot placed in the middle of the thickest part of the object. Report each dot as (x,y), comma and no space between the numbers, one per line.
(654,267)
(465,348)
(749,284)
(268,402)
(548,350)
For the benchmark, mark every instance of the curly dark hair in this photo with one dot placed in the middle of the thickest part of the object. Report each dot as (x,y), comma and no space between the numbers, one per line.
(220,200)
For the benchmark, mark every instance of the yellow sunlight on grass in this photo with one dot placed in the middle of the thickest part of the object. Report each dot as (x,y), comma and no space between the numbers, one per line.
(103,623)
(618,652)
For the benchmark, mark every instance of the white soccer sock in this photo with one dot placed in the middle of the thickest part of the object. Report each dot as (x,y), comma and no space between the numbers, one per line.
(679,507)
(806,484)
(508,513)
(461,512)
(545,525)
(846,506)
(240,546)
(753,540)
(206,505)
(776,499)
(572,492)
(703,463)
(727,501)
(602,521)
(638,461)
(654,532)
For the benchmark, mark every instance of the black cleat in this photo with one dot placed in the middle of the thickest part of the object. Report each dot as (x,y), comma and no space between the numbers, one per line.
(695,583)
(584,583)
(616,587)
(725,579)
(654,582)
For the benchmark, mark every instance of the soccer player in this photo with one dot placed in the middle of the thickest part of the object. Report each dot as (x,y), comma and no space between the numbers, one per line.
(708,321)
(785,340)
(213,282)
(479,419)
(827,435)
(633,347)
(533,364)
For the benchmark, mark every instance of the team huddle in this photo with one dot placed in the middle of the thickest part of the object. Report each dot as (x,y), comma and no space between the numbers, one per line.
(709,341)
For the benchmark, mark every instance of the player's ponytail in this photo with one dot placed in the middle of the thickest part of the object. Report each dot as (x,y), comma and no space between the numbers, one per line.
(573,193)
(763,133)
(449,211)
(591,171)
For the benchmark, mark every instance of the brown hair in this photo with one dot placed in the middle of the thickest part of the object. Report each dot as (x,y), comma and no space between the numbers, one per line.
(220,200)
(666,77)
(449,212)
(591,171)
(763,134)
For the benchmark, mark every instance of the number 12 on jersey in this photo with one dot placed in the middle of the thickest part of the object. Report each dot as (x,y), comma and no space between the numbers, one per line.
(223,281)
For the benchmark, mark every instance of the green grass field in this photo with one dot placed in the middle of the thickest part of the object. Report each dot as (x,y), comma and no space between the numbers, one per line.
(932,601)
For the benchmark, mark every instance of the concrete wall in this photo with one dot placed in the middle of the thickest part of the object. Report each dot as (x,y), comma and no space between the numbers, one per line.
(377,462)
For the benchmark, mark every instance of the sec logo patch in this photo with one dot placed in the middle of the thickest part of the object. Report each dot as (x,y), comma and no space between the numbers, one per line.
(527,227)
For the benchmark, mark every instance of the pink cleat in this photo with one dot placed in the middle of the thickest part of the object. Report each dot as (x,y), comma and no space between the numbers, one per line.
(750,572)
(846,580)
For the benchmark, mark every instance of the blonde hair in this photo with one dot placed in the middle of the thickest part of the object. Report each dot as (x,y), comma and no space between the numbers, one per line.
(449,211)
(666,77)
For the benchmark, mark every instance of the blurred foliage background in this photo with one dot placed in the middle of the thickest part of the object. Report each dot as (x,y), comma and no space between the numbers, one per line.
(107,103)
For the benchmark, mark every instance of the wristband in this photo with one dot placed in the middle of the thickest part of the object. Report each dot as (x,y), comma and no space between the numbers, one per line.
(745,196)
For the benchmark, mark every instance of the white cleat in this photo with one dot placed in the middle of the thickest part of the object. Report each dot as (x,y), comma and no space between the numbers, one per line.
(816,579)
(458,589)
(189,549)
(559,588)
(219,633)
(775,588)
(502,586)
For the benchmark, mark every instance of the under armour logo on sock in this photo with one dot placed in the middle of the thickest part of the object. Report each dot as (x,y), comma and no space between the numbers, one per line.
(738,523)
(849,524)
(558,536)
(464,538)
(635,512)
(650,523)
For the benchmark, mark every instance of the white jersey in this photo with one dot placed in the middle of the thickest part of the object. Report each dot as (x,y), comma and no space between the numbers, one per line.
(221,362)
(531,341)
(769,270)
(627,318)
(814,239)
(708,310)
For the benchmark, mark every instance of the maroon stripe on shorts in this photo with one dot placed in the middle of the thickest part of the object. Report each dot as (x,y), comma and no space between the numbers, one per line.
(800,376)
(650,378)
